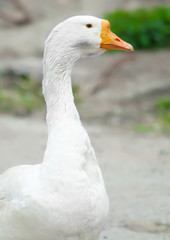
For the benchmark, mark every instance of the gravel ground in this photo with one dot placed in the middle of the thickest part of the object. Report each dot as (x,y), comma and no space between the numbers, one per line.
(135,169)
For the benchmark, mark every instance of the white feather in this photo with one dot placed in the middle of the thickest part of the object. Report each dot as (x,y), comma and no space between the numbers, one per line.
(63,198)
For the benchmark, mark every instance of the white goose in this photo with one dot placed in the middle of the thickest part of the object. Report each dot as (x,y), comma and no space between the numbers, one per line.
(64,197)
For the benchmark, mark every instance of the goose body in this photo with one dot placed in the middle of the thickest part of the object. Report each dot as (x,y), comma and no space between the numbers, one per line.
(64,197)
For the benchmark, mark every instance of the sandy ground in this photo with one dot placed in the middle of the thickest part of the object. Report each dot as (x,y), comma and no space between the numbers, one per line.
(136,170)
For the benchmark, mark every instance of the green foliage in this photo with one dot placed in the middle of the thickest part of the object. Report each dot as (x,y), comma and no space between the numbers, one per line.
(77,98)
(162,120)
(24,96)
(143,28)
(144,128)
(163,112)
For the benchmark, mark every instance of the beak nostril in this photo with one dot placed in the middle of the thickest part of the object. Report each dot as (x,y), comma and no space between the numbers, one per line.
(117,39)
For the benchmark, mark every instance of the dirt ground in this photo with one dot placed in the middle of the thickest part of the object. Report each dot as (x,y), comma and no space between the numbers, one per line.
(135,168)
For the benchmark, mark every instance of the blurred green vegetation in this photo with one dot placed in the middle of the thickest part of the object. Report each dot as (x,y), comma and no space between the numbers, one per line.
(144,128)
(162,118)
(163,113)
(23,96)
(76,94)
(143,28)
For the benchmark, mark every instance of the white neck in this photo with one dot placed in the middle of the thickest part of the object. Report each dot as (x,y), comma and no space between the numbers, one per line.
(57,87)
(59,99)
(64,126)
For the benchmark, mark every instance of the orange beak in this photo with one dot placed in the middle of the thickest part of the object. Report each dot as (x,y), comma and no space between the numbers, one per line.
(111,41)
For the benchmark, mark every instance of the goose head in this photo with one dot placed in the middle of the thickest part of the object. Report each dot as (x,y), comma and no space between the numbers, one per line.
(75,38)
(82,36)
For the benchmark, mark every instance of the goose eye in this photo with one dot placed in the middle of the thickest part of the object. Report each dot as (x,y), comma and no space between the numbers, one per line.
(89,25)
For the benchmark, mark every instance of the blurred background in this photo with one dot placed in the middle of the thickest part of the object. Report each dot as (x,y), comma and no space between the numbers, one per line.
(123,100)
